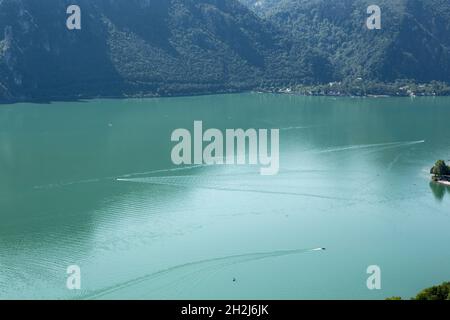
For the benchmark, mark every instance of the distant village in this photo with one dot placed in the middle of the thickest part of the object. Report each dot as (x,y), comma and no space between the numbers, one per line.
(366,88)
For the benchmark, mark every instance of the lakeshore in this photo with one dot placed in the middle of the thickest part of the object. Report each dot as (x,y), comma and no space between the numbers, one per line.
(349,88)
(366,88)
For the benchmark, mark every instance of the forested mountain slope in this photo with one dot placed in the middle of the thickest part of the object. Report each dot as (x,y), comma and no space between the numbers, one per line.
(136,46)
(413,43)
(168,47)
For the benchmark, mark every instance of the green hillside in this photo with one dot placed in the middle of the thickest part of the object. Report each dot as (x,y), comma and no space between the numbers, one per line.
(414,41)
(136,47)
(174,47)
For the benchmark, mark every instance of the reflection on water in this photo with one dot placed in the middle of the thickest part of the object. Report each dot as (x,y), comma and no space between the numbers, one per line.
(93,184)
(439,190)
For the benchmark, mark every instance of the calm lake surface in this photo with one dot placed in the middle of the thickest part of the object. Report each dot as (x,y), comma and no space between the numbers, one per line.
(354,178)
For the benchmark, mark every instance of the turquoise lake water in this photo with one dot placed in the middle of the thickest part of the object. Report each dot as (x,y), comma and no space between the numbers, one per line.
(91,183)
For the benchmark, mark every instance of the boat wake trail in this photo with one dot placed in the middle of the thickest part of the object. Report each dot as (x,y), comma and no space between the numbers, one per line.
(370,146)
(192,182)
(183,271)
(138,174)
(299,128)
(129,175)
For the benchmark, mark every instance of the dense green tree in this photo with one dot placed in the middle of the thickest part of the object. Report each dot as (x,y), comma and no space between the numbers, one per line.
(394,298)
(441,292)
(440,169)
